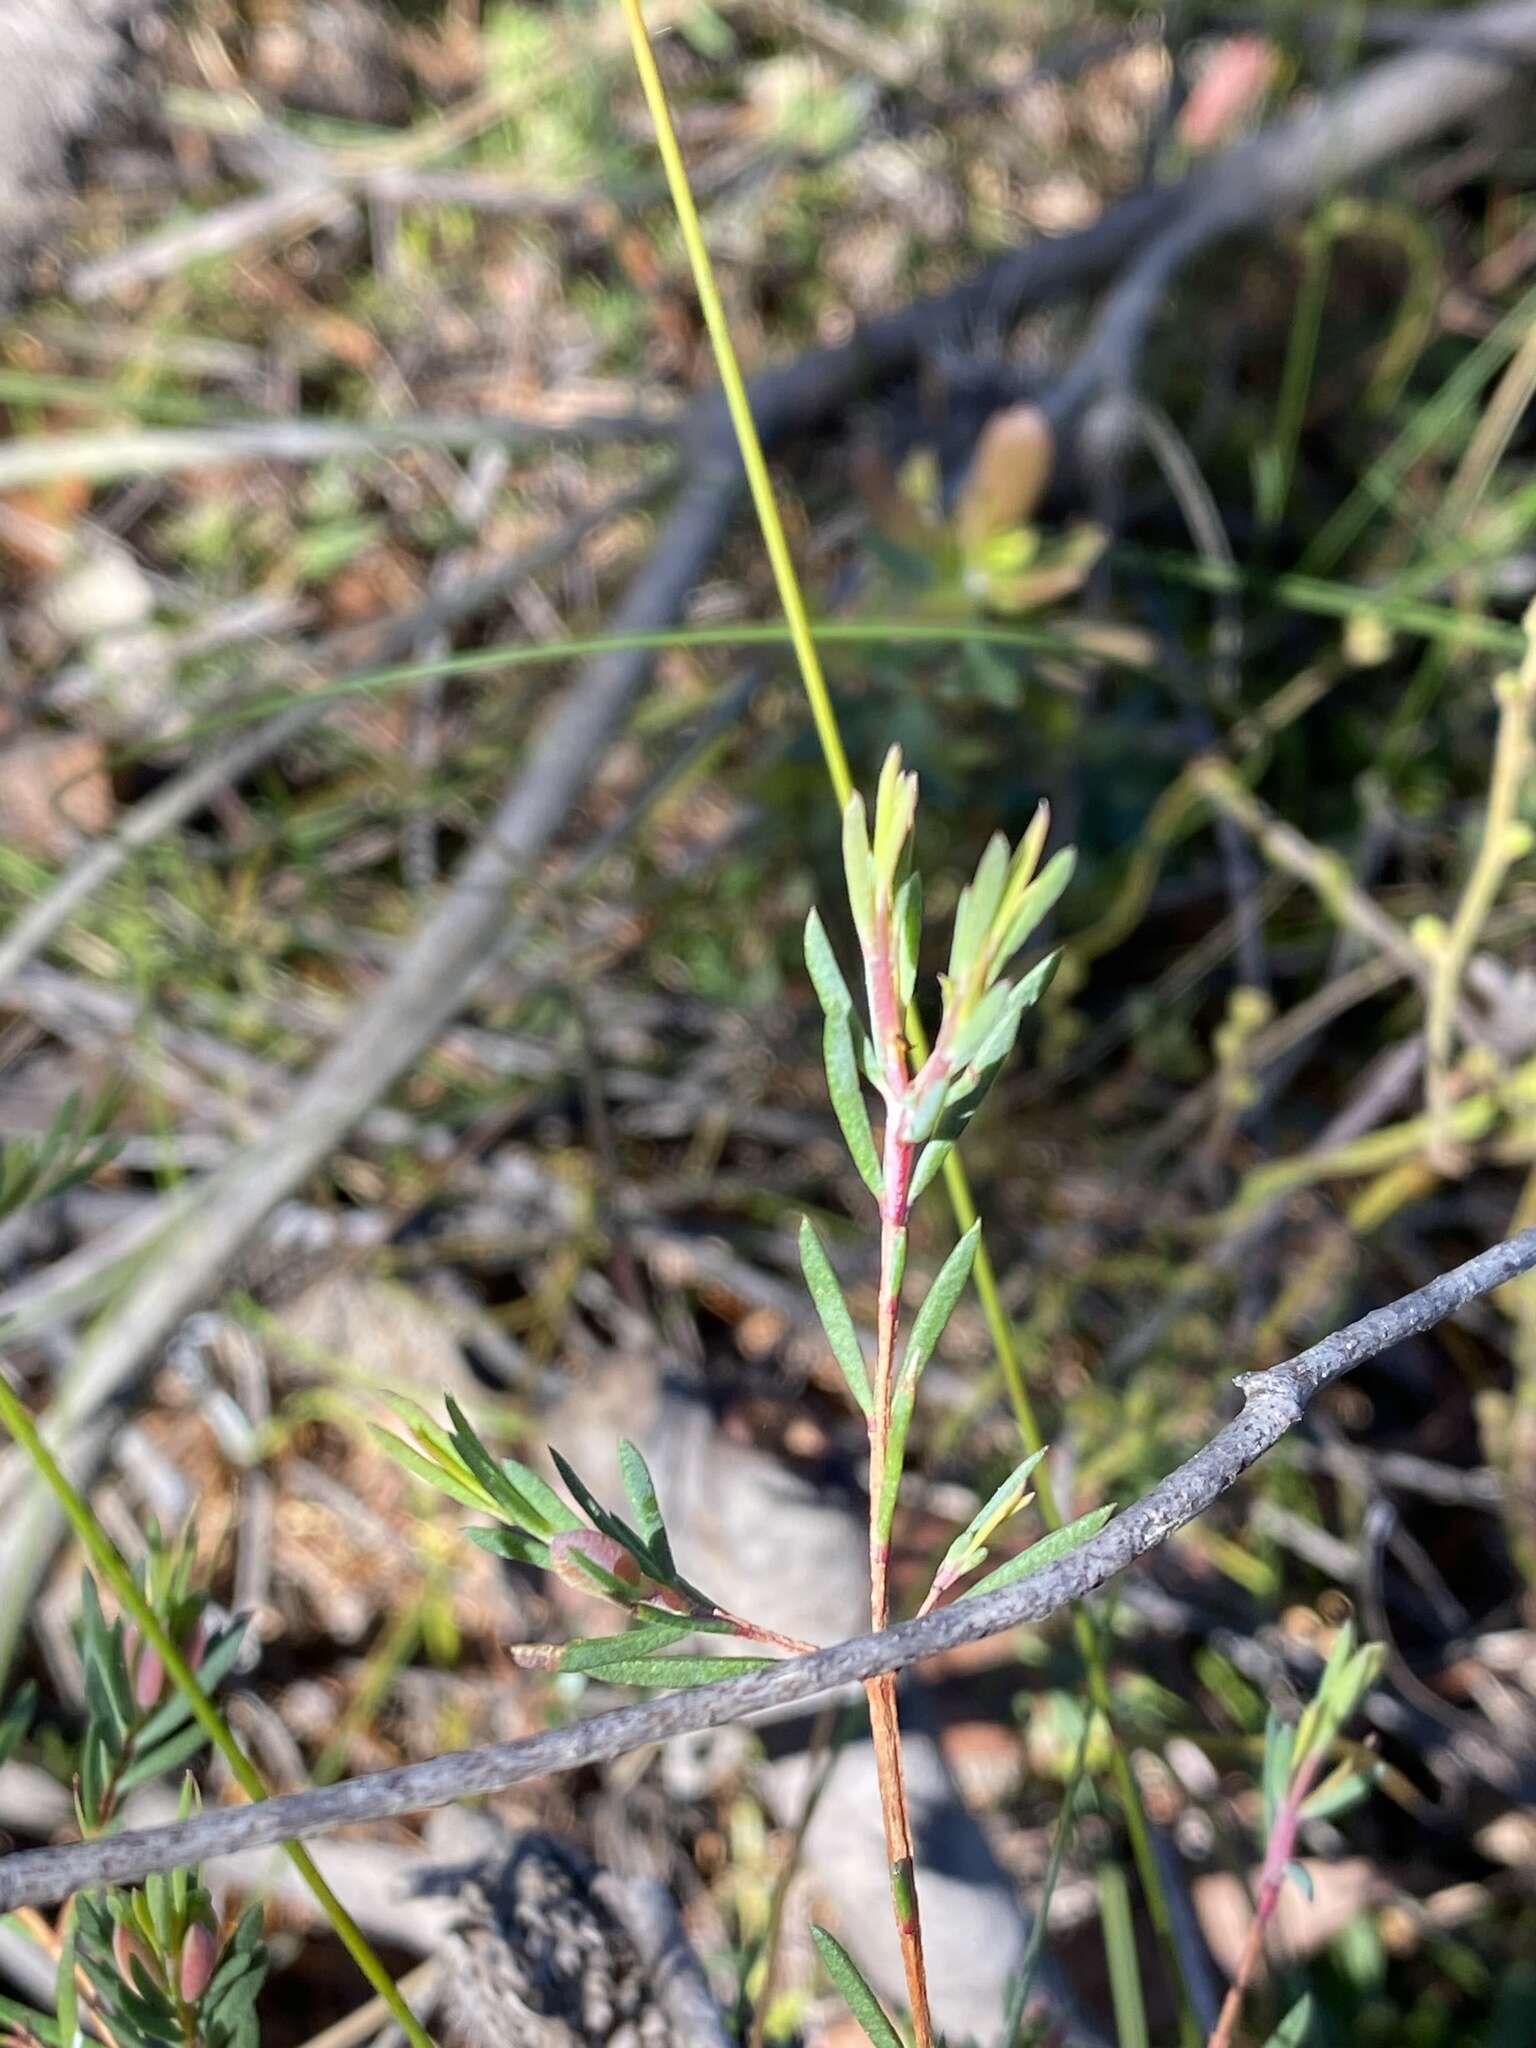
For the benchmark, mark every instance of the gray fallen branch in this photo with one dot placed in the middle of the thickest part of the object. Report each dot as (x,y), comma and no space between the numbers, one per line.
(139,452)
(296,208)
(1273,1402)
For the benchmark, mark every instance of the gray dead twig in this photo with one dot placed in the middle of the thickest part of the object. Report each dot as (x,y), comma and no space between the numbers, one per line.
(138,452)
(1273,1402)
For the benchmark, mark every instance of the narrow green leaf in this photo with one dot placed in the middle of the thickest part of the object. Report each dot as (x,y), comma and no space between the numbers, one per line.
(1320,1720)
(218,1660)
(977,908)
(1036,903)
(157,1893)
(1120,1955)
(94,1633)
(995,1048)
(931,1319)
(510,1543)
(862,2002)
(641,1491)
(857,867)
(66,1997)
(89,1779)
(835,1318)
(969,1088)
(596,1513)
(821,964)
(869,1059)
(677,1671)
(594,1653)
(895,804)
(843,1086)
(1295,2029)
(1060,1543)
(1301,1877)
(903,1401)
(1362,1673)
(899,1243)
(1004,1502)
(430,1435)
(1340,1791)
(554,1512)
(1279,1748)
(930,1161)
(107,1697)
(978,1026)
(1026,858)
(1034,984)
(505,1497)
(424,1468)
(168,1755)
(909,935)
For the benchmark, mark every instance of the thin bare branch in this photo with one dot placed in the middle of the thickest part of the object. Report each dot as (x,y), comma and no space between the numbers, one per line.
(138,452)
(1273,1402)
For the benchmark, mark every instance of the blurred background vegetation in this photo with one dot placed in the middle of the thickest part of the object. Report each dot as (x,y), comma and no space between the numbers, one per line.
(1258,691)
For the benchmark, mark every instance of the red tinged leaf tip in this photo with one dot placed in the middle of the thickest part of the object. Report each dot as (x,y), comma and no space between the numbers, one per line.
(571,1551)
(1233,81)
(148,1678)
(199,1957)
(127,1949)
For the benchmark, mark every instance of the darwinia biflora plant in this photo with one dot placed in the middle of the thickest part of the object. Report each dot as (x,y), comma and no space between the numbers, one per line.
(1295,1791)
(927,1104)
(145,1968)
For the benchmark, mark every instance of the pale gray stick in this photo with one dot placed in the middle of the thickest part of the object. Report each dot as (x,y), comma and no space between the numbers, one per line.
(1273,1402)
(292,209)
(162,451)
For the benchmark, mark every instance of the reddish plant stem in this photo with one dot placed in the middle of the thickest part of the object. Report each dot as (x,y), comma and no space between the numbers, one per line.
(1277,1854)
(885,1728)
(754,1632)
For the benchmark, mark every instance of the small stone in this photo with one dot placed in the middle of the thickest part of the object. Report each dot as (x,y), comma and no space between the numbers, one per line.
(104,592)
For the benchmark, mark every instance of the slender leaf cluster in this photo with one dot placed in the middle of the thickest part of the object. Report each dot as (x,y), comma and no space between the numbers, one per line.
(160,1974)
(150,1964)
(1007,900)
(1295,1753)
(628,1563)
(134,1731)
(928,1103)
(71,1149)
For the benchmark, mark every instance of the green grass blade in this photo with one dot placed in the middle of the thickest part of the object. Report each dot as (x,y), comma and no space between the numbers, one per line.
(1120,1955)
